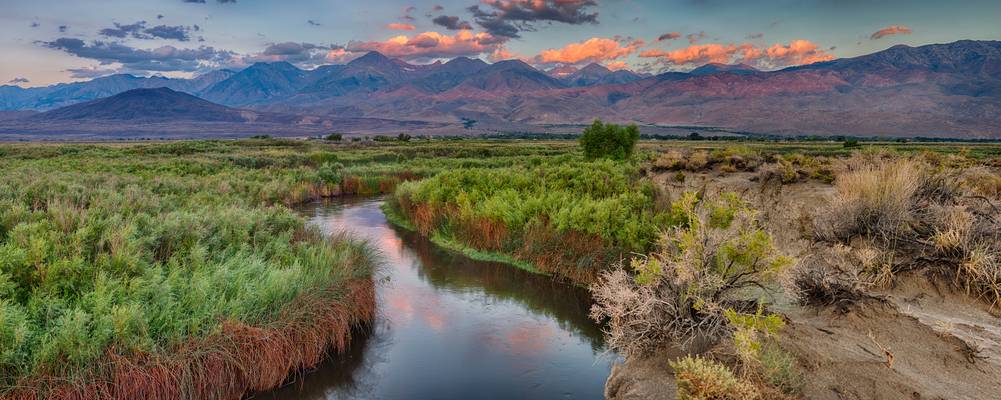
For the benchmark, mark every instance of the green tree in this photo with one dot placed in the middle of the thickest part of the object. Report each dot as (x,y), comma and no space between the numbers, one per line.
(612,141)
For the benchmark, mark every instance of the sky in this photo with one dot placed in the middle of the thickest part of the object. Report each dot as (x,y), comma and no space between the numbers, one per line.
(45,42)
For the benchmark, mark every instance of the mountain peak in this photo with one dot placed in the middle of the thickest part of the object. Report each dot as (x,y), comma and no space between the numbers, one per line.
(154,104)
(716,68)
(372,57)
(512,64)
(595,68)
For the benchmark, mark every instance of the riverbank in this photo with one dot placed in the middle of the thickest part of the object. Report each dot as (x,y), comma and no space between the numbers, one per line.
(393,216)
(490,331)
(165,272)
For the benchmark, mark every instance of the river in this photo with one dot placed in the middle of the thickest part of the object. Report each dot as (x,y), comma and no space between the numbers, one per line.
(454,328)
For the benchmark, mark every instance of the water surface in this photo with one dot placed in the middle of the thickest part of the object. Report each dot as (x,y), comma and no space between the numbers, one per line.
(455,328)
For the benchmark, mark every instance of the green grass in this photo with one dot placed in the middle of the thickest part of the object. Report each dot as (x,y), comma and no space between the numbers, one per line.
(562,215)
(104,251)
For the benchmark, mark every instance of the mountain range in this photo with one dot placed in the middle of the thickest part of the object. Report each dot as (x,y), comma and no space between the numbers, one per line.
(940,90)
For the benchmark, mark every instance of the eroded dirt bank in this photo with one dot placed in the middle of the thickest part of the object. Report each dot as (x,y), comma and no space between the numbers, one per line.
(918,338)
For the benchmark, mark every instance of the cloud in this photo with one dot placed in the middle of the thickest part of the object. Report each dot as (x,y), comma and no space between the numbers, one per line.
(591,50)
(890,30)
(451,22)
(431,45)
(669,36)
(506,18)
(796,52)
(90,72)
(302,54)
(139,30)
(406,14)
(164,58)
(121,31)
(314,23)
(695,37)
(178,33)
(695,54)
(400,27)
(18,80)
(616,65)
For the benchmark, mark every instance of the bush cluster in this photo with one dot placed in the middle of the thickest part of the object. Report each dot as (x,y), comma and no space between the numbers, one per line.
(612,141)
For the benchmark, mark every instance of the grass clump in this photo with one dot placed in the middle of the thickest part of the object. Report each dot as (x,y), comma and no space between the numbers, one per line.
(681,292)
(565,216)
(700,378)
(893,213)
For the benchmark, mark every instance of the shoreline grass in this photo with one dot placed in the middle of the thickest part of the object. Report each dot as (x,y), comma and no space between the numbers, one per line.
(396,219)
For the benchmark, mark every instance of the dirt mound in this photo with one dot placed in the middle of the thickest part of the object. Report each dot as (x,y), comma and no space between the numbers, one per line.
(877,352)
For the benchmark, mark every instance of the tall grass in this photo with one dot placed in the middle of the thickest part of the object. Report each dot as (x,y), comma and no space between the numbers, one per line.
(564,215)
(109,261)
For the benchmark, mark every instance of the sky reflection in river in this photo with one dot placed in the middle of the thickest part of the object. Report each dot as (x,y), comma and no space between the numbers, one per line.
(454,328)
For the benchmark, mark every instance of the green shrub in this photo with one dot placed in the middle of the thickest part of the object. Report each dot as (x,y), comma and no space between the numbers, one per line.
(681,292)
(609,141)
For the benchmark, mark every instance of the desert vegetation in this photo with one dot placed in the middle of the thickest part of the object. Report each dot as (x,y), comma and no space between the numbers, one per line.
(892,214)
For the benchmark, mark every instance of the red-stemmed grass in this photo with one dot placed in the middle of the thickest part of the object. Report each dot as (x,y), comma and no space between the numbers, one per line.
(572,255)
(238,360)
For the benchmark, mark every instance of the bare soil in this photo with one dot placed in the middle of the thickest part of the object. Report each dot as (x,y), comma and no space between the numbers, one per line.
(919,339)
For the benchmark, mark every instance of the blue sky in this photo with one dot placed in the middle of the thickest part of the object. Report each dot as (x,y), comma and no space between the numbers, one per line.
(50,41)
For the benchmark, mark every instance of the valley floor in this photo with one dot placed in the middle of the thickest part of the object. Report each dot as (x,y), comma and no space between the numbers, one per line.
(154,270)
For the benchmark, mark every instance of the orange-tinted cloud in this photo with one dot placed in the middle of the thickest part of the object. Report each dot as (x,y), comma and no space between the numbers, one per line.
(778,55)
(695,54)
(796,53)
(591,50)
(501,53)
(890,30)
(431,45)
(616,65)
(400,27)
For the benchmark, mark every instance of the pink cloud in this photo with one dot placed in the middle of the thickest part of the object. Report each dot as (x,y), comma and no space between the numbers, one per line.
(890,30)
(796,52)
(616,65)
(431,45)
(400,27)
(591,50)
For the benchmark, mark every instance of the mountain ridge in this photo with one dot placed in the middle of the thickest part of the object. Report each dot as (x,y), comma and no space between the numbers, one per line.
(951,89)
